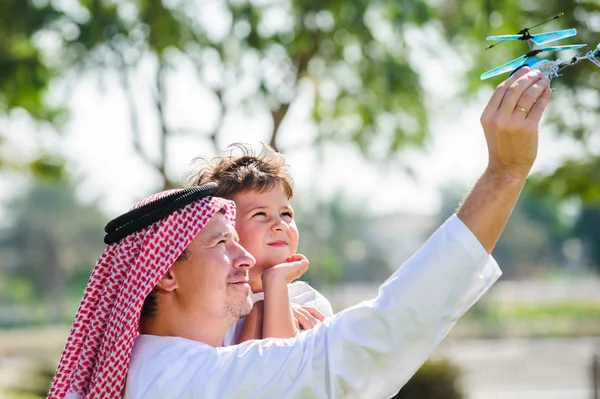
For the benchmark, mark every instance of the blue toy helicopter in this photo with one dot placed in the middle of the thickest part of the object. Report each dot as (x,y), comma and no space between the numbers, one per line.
(549,68)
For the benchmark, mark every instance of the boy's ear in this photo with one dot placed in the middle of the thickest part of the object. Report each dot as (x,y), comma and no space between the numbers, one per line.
(168,282)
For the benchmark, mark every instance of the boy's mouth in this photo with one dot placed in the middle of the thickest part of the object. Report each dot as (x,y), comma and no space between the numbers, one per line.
(278,244)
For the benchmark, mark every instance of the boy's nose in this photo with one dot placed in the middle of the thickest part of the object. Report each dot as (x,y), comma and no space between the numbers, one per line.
(280,225)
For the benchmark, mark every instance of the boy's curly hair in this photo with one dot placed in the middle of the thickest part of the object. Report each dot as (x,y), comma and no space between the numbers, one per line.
(241,169)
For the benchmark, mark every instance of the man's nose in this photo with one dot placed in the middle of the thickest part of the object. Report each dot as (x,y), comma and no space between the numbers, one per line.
(243,258)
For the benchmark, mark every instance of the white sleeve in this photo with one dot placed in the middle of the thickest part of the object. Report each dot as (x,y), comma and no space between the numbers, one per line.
(302,293)
(367,351)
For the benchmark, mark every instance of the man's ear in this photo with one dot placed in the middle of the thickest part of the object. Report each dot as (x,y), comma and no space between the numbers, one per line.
(168,282)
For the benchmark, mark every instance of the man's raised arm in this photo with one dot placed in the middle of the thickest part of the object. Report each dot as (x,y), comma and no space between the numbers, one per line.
(510,122)
(372,349)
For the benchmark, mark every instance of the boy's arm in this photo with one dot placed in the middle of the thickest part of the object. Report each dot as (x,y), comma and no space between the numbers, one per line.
(278,319)
(253,324)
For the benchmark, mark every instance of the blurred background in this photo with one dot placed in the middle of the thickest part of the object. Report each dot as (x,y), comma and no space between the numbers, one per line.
(375,103)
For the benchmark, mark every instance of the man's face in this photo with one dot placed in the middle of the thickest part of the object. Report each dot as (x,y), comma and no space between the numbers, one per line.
(213,280)
(266,227)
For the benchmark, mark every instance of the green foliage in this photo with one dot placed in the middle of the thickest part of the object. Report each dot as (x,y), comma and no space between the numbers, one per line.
(352,56)
(583,310)
(434,380)
(531,320)
(587,227)
(575,107)
(50,241)
(24,74)
(533,237)
(336,239)
(574,178)
(48,168)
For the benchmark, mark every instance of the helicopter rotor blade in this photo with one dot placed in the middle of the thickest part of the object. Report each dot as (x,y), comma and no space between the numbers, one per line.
(504,37)
(547,37)
(509,66)
(559,48)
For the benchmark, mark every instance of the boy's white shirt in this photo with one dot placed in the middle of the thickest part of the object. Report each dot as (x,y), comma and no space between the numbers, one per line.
(369,350)
(299,293)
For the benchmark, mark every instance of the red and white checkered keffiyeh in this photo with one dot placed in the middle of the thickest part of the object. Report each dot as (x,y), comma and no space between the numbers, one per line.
(96,356)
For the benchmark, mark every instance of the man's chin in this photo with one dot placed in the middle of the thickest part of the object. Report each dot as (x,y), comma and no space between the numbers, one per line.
(246,308)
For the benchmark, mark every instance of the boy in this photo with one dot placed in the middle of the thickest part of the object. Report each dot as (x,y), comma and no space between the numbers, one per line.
(261,187)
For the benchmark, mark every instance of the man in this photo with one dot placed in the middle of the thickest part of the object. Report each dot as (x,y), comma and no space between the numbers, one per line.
(187,254)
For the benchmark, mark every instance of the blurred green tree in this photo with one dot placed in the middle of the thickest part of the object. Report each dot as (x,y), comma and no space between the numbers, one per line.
(436,379)
(335,236)
(25,76)
(49,245)
(256,55)
(587,228)
(353,58)
(574,109)
(532,241)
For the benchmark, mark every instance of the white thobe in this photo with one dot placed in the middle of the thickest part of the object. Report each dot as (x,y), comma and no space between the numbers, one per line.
(299,293)
(369,350)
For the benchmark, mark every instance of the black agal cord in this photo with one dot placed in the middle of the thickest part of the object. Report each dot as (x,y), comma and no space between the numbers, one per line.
(152,212)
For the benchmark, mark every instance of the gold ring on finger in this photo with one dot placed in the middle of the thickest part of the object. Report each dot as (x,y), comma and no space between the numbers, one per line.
(522,109)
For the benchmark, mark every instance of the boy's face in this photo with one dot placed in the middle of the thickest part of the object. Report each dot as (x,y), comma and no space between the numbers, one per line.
(265,224)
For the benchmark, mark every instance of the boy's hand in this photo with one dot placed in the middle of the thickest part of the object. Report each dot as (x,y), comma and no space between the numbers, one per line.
(295,267)
(306,317)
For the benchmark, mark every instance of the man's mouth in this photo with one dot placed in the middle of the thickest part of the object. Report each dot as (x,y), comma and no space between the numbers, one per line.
(240,282)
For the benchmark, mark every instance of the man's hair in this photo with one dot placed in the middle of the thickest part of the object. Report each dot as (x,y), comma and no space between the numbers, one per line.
(241,169)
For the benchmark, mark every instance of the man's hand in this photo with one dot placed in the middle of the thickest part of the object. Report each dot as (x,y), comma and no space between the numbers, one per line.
(295,267)
(510,122)
(306,317)
(511,119)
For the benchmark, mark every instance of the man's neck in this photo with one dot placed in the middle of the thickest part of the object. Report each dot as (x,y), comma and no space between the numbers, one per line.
(210,333)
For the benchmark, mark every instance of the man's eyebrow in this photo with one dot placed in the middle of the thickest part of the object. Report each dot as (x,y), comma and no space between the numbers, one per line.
(224,235)
(220,234)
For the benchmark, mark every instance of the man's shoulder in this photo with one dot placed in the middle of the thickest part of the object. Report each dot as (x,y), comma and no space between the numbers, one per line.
(158,362)
(150,348)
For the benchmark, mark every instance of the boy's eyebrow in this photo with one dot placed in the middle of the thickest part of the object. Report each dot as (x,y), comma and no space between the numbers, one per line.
(253,207)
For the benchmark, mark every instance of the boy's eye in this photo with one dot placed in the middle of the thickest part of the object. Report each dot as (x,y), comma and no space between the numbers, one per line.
(222,242)
(261,213)
(288,214)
